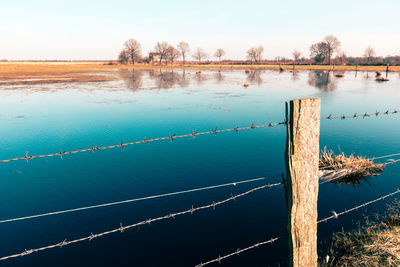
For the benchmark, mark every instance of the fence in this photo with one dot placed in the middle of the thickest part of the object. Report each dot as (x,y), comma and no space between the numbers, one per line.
(301,184)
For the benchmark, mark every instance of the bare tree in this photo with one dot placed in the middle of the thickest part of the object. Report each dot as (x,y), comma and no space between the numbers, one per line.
(200,54)
(133,50)
(296,55)
(319,52)
(369,52)
(183,48)
(219,53)
(255,53)
(172,53)
(161,50)
(332,44)
(123,57)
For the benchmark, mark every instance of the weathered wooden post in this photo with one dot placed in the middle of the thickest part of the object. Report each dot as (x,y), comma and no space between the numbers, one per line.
(301,185)
(387,70)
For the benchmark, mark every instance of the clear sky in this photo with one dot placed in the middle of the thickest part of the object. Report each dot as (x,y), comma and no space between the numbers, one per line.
(96,29)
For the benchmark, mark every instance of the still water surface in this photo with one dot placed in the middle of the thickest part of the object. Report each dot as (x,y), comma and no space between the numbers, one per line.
(43,119)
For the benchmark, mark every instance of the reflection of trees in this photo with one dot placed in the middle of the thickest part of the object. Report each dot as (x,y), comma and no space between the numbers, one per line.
(132,78)
(165,79)
(200,78)
(219,77)
(185,81)
(254,76)
(322,80)
(295,76)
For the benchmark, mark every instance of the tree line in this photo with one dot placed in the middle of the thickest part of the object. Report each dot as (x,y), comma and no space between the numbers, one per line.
(328,51)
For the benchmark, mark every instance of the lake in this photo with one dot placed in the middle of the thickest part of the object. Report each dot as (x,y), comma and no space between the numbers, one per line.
(44,119)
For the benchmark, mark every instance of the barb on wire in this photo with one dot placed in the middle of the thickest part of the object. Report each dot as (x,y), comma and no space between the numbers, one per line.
(135,199)
(334,215)
(148,221)
(145,140)
(337,214)
(237,252)
(356,115)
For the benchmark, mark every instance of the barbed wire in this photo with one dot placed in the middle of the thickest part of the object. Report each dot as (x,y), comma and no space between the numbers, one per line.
(361,115)
(334,216)
(145,222)
(237,252)
(94,148)
(136,199)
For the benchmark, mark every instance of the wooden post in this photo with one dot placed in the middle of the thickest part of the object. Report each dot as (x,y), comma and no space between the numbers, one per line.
(293,67)
(301,185)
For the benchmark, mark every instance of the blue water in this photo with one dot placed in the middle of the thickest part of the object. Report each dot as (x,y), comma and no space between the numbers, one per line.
(45,119)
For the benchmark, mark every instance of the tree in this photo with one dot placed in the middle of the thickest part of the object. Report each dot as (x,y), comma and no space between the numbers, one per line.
(219,53)
(133,50)
(161,49)
(172,53)
(255,53)
(123,57)
(183,48)
(319,52)
(296,55)
(369,52)
(332,45)
(200,54)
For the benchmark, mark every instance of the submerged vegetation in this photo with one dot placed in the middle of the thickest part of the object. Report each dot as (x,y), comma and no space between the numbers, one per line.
(346,169)
(376,244)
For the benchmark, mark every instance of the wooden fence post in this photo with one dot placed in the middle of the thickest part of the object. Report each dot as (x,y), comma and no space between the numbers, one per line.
(301,185)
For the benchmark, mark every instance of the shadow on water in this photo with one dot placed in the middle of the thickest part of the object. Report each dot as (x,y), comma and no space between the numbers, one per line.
(322,80)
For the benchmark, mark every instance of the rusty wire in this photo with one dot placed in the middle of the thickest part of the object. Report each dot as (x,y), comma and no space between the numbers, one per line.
(145,222)
(94,148)
(334,216)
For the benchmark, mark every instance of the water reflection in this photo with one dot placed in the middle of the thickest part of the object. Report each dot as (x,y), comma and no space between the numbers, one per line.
(254,76)
(132,78)
(219,77)
(322,80)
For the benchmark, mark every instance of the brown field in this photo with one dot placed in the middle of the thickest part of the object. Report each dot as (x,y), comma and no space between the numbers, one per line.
(27,73)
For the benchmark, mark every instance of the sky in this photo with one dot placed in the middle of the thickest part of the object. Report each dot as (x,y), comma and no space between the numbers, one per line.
(97,29)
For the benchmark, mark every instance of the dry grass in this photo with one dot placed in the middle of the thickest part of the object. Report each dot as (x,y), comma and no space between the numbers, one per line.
(346,169)
(376,244)
(48,72)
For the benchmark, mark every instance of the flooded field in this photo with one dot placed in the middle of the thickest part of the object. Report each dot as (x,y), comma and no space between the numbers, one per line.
(130,105)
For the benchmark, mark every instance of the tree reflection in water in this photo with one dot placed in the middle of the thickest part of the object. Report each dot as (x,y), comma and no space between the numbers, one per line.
(132,79)
(254,76)
(322,80)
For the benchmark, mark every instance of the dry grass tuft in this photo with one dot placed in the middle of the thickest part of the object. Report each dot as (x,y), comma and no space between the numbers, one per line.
(346,169)
(376,244)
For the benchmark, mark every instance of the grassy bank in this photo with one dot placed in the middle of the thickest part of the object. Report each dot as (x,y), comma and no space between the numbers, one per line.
(376,244)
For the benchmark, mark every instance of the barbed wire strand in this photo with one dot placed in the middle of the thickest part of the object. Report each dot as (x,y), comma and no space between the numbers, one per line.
(334,216)
(361,115)
(145,222)
(60,154)
(237,252)
(136,199)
